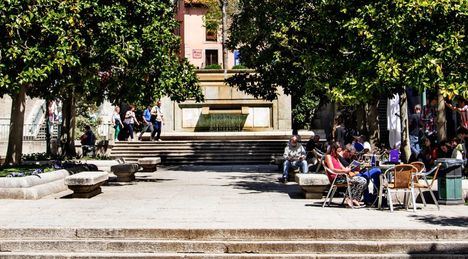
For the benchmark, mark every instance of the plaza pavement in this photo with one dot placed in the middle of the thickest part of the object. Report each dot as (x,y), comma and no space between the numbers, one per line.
(226,197)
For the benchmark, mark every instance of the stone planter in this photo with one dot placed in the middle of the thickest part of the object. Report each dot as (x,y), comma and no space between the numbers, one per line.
(313,185)
(33,187)
(125,172)
(149,164)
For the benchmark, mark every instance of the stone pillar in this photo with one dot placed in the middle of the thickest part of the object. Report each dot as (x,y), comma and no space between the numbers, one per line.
(282,112)
(167,107)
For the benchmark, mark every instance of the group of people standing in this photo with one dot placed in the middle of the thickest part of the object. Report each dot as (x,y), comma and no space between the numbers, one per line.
(152,120)
(423,134)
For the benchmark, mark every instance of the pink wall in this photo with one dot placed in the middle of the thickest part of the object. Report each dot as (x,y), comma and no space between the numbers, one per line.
(193,38)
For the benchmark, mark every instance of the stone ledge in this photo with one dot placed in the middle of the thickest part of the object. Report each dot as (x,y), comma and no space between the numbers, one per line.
(32,180)
(34,192)
(33,187)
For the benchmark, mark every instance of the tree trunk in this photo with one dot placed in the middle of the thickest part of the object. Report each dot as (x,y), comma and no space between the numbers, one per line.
(67,138)
(373,124)
(441,119)
(361,119)
(224,34)
(405,142)
(15,138)
(47,128)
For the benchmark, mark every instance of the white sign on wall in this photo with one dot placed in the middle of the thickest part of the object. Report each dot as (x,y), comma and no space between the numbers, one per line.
(197,53)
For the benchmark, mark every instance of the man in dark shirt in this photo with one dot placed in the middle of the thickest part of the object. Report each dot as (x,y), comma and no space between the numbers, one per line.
(88,140)
(415,125)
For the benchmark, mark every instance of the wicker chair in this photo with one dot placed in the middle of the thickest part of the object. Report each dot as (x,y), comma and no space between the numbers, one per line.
(399,178)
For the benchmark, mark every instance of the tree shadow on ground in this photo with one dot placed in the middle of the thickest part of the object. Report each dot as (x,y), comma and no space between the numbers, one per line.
(224,168)
(261,183)
(442,220)
(150,178)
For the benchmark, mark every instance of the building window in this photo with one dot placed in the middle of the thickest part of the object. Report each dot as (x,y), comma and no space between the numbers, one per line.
(211,56)
(211,35)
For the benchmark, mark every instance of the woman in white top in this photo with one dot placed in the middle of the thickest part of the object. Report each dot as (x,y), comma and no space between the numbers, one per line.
(117,122)
(130,120)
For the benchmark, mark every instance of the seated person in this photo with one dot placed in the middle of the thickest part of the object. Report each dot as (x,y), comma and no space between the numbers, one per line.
(346,158)
(88,140)
(428,154)
(357,183)
(294,155)
(444,150)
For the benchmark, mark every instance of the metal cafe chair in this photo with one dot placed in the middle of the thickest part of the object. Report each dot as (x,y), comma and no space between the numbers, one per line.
(334,185)
(422,174)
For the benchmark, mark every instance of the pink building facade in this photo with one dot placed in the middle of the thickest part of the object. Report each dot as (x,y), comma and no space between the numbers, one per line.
(199,47)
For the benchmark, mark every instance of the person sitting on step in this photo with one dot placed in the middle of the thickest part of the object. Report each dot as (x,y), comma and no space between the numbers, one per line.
(295,156)
(88,141)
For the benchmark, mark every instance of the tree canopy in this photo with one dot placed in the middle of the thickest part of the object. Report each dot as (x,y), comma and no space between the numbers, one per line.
(351,51)
(122,50)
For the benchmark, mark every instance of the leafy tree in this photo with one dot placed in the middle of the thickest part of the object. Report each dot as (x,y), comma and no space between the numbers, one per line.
(37,38)
(120,50)
(349,51)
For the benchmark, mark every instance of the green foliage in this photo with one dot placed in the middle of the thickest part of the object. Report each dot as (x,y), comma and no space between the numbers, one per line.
(213,66)
(38,39)
(86,114)
(24,170)
(239,67)
(350,51)
(122,50)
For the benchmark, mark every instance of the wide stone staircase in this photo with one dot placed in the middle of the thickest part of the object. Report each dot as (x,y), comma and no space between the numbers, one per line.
(233,243)
(201,151)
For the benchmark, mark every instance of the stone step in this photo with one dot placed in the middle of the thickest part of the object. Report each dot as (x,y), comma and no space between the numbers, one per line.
(43,255)
(234,234)
(70,255)
(202,151)
(198,155)
(237,247)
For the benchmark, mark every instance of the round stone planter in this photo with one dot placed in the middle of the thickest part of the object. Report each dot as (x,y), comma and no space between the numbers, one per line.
(33,187)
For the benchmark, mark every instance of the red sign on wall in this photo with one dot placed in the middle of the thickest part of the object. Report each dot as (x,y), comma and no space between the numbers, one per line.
(197,54)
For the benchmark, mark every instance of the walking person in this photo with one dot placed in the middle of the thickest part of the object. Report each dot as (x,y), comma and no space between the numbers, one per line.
(117,123)
(147,122)
(130,120)
(158,119)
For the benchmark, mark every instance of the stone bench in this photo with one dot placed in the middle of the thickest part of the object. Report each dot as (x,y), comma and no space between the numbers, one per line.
(125,172)
(86,184)
(312,185)
(149,164)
